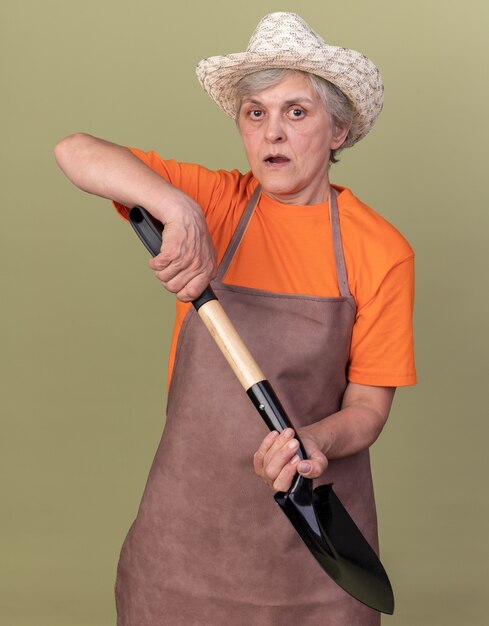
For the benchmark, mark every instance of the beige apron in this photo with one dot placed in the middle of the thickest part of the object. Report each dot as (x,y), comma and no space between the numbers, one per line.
(210,547)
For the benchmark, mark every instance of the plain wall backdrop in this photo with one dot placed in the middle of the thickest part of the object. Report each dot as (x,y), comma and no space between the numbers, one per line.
(85,327)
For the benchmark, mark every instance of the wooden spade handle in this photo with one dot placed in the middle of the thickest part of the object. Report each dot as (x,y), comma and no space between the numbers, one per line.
(230,343)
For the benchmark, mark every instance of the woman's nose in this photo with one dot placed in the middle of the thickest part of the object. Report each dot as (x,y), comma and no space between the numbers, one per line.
(274,131)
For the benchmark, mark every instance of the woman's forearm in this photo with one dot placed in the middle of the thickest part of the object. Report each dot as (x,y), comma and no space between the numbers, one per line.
(112,171)
(358,424)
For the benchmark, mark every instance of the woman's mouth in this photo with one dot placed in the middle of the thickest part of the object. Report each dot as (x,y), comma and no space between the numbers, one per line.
(277,159)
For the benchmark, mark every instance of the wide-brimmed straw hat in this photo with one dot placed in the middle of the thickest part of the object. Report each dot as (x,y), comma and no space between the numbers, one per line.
(285,40)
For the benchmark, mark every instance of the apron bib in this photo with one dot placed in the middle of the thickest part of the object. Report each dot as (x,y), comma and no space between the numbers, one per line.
(210,547)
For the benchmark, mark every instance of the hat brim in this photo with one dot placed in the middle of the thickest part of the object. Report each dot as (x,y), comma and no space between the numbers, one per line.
(352,72)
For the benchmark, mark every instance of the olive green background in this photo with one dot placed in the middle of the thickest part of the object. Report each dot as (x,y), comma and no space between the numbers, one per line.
(85,327)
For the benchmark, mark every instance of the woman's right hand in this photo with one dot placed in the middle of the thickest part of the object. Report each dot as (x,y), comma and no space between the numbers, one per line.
(187,260)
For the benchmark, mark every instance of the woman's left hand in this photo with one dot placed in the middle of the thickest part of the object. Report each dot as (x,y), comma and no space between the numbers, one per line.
(364,411)
(276,461)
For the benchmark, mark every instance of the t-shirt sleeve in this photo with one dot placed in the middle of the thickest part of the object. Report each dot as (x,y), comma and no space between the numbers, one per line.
(382,352)
(203,185)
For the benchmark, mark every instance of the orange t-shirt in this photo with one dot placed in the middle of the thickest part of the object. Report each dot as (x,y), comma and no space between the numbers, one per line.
(289,249)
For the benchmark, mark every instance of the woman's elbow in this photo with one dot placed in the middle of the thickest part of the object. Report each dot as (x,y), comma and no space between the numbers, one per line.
(70,153)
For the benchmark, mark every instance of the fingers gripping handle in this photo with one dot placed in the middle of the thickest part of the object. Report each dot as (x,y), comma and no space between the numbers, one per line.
(150,230)
(252,379)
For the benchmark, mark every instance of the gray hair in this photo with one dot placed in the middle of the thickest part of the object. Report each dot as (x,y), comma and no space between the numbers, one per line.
(334,101)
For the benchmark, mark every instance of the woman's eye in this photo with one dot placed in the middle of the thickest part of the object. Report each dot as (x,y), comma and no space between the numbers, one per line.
(296,113)
(255,114)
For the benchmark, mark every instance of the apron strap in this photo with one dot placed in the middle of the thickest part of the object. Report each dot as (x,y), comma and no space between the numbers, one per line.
(337,245)
(335,226)
(238,234)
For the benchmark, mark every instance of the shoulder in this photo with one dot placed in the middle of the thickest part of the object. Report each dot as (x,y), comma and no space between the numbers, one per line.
(373,248)
(368,231)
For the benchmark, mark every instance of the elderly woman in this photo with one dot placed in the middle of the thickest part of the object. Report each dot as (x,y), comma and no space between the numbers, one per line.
(321,289)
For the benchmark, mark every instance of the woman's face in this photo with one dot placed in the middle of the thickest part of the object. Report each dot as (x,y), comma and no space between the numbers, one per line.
(288,135)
